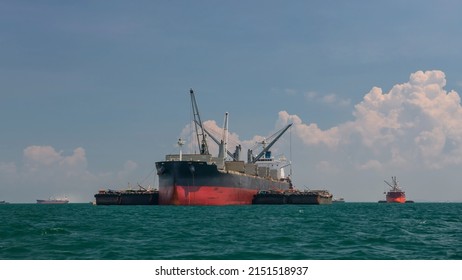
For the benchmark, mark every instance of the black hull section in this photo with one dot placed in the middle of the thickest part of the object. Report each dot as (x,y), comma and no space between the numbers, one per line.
(269,199)
(139,199)
(107,199)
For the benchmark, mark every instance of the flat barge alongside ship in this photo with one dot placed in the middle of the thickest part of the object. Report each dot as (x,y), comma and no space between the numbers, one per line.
(310,197)
(269,197)
(141,196)
(293,197)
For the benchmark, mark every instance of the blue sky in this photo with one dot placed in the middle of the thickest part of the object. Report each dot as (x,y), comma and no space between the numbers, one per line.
(92,94)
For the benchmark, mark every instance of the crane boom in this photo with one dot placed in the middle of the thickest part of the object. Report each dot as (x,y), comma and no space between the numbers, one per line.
(200,134)
(218,143)
(388,184)
(271,144)
(395,185)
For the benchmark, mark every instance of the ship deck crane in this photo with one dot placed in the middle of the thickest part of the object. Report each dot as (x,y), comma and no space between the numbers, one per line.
(218,143)
(282,131)
(395,186)
(200,134)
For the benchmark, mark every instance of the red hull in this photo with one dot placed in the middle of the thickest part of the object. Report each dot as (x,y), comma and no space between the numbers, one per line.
(207,195)
(396,197)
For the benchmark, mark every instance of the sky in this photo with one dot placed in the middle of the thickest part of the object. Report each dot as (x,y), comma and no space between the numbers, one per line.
(93,93)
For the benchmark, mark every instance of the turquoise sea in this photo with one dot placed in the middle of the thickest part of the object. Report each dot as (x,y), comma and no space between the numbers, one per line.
(356,231)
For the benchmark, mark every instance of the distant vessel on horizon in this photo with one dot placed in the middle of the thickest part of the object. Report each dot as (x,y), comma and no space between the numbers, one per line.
(395,194)
(53,201)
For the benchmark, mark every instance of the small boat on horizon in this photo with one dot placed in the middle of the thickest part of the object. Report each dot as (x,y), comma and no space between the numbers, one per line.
(395,194)
(338,200)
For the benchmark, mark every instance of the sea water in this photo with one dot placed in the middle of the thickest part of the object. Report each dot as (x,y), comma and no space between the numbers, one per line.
(344,231)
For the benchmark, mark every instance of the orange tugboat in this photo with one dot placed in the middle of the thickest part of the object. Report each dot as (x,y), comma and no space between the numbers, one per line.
(396,194)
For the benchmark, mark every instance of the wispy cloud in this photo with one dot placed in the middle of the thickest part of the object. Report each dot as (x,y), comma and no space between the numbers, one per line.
(330,99)
(290,92)
(311,95)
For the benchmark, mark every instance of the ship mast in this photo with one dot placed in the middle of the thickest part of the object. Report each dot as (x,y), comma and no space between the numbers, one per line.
(180,144)
(394,186)
(224,141)
(222,145)
(200,134)
(233,156)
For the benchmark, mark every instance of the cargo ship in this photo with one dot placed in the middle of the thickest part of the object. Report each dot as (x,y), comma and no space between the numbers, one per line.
(53,201)
(201,179)
(395,194)
(141,196)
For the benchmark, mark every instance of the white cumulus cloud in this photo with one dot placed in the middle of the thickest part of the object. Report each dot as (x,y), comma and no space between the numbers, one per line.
(47,160)
(417,122)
